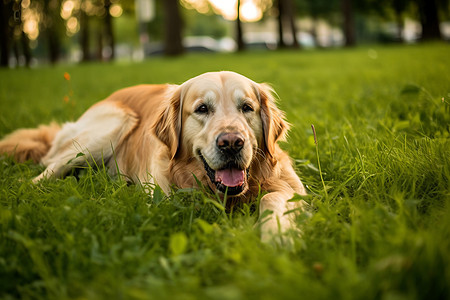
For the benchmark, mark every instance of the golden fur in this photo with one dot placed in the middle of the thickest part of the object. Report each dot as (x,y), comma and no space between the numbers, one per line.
(166,134)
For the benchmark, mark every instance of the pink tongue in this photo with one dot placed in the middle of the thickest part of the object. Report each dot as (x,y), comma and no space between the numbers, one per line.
(230,177)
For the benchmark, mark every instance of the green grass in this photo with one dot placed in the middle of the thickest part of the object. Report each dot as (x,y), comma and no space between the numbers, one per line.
(381,230)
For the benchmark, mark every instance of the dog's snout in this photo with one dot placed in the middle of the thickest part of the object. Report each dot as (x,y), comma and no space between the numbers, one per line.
(230,142)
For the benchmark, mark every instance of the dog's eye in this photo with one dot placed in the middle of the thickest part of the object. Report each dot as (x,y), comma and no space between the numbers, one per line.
(247,108)
(202,109)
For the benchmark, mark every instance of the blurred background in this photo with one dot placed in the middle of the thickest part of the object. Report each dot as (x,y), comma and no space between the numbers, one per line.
(35,32)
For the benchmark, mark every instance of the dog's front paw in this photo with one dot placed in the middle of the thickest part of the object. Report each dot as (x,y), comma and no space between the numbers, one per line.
(279,230)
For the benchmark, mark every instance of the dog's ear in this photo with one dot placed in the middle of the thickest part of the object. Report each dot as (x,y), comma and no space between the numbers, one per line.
(273,120)
(168,125)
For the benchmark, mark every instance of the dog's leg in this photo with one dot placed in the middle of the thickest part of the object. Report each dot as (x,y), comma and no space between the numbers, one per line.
(92,138)
(283,212)
(277,214)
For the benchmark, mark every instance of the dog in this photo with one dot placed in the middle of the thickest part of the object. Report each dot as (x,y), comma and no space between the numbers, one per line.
(219,128)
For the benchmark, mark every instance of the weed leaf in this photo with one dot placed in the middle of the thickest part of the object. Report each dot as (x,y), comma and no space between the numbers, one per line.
(178,243)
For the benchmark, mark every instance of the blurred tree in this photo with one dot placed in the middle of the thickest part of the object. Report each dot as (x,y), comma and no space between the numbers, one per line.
(394,10)
(12,33)
(173,27)
(128,26)
(286,13)
(427,12)
(144,12)
(24,41)
(108,30)
(95,21)
(316,10)
(85,36)
(291,16)
(198,24)
(429,19)
(281,12)
(348,22)
(6,11)
(52,28)
(20,38)
(381,11)
(206,7)
(239,34)
(399,7)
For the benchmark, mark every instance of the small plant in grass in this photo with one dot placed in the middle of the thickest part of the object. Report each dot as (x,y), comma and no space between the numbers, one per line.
(318,160)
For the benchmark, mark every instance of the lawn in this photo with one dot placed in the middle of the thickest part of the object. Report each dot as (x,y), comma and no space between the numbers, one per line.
(379,223)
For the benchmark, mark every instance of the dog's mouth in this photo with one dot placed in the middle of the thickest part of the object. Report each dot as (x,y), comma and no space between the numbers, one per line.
(231,179)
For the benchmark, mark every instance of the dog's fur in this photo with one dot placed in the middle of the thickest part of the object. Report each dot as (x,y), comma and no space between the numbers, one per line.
(220,127)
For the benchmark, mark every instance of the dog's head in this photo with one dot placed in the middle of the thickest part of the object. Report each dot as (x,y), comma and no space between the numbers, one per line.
(225,121)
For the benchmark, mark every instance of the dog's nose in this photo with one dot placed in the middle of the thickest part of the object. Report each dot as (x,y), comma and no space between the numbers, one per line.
(230,142)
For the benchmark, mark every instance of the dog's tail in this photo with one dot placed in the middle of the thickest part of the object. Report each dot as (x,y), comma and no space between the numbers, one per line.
(26,144)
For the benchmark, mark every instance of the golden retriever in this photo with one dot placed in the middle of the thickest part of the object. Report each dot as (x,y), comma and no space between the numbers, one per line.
(220,127)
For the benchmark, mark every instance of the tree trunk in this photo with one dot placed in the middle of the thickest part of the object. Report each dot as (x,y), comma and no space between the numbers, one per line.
(51,14)
(239,34)
(109,32)
(314,31)
(84,36)
(399,6)
(5,35)
(173,26)
(54,46)
(281,12)
(21,41)
(26,48)
(291,15)
(429,19)
(400,25)
(15,49)
(99,52)
(348,23)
